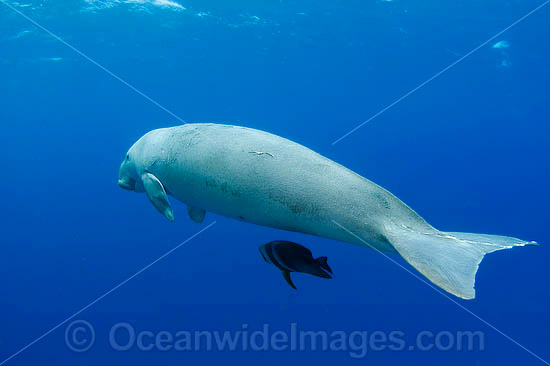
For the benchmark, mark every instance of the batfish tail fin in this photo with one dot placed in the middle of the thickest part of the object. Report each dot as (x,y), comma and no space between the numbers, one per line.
(322,261)
(449,260)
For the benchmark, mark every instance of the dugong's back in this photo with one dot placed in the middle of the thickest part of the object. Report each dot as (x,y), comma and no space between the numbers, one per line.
(268,180)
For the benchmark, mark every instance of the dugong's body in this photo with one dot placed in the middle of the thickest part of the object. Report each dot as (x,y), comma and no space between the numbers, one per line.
(264,179)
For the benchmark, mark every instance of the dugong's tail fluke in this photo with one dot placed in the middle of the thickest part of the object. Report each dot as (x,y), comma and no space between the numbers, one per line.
(450,260)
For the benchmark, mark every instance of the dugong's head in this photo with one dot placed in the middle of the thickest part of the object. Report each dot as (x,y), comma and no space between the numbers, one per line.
(128,177)
(136,173)
(131,169)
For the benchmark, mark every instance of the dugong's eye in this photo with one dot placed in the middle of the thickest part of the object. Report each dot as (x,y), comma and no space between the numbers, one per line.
(128,157)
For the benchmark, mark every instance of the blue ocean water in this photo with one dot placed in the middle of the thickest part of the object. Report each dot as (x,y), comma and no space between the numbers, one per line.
(468,151)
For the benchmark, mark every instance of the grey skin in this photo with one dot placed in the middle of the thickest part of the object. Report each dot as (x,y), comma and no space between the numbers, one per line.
(291,257)
(264,179)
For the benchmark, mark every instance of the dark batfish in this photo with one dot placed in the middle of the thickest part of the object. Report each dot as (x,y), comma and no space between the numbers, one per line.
(291,257)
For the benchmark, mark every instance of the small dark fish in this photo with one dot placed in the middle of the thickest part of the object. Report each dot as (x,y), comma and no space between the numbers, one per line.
(291,257)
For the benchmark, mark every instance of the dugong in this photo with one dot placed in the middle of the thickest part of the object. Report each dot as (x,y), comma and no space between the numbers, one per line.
(264,179)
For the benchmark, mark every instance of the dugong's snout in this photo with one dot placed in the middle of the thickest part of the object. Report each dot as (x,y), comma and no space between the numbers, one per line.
(127,183)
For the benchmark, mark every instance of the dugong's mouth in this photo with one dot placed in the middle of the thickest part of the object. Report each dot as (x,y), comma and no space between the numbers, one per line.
(128,184)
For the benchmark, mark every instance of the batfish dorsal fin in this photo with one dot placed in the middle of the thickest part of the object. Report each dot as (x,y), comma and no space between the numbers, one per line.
(286,275)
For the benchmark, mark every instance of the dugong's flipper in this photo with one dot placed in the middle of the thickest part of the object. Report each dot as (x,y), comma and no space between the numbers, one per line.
(196,214)
(156,193)
(450,260)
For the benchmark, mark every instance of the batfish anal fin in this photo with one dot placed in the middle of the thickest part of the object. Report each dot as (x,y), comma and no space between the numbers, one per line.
(286,275)
(196,214)
(157,194)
